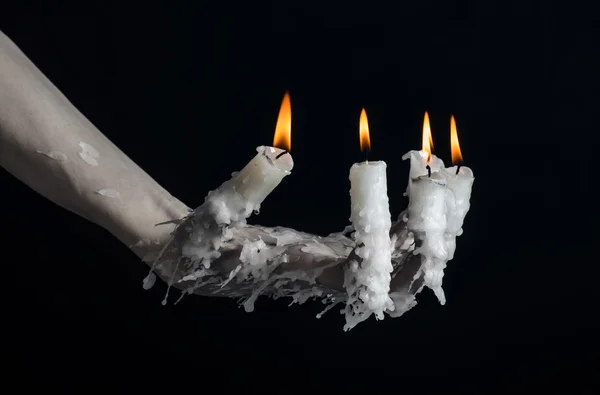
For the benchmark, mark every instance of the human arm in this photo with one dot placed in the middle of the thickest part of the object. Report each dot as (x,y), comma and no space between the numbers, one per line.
(53,148)
(49,145)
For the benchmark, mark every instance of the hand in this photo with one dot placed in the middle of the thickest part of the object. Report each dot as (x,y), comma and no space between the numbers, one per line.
(278,262)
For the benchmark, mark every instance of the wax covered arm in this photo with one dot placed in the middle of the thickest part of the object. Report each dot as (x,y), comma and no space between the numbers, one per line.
(50,146)
(54,149)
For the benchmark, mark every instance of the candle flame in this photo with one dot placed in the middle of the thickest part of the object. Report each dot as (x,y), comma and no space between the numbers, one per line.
(427,138)
(283,130)
(365,138)
(454,145)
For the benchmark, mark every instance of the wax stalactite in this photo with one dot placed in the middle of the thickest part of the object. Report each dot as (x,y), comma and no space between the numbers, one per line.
(368,275)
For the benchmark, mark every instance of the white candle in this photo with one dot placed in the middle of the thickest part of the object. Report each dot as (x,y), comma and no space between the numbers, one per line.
(427,219)
(235,200)
(426,215)
(426,187)
(459,200)
(460,181)
(367,279)
(258,179)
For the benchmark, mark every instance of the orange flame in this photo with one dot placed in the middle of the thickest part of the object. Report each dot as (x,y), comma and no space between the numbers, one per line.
(454,145)
(365,138)
(427,138)
(283,130)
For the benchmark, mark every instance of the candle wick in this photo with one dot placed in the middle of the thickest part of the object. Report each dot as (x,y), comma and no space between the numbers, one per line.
(281,154)
(367,156)
(458,169)
(428,171)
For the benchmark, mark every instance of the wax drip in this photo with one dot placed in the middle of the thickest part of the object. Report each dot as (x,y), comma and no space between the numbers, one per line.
(458,169)
(428,171)
(281,154)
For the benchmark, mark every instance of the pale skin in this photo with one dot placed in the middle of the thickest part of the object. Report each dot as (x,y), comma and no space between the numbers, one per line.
(37,120)
(53,148)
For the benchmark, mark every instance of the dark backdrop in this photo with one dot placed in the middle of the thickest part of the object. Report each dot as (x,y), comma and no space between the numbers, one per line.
(189,92)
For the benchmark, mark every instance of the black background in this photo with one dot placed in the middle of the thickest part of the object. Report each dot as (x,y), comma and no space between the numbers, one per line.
(188,92)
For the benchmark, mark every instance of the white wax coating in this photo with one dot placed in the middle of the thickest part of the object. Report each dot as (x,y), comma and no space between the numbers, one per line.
(370,216)
(418,163)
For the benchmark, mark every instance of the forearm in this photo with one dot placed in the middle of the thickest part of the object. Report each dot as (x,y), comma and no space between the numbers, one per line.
(50,146)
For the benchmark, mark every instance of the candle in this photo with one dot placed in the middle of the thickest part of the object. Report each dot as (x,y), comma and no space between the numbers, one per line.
(427,220)
(460,181)
(426,187)
(367,278)
(235,200)
(426,214)
(258,179)
(261,176)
